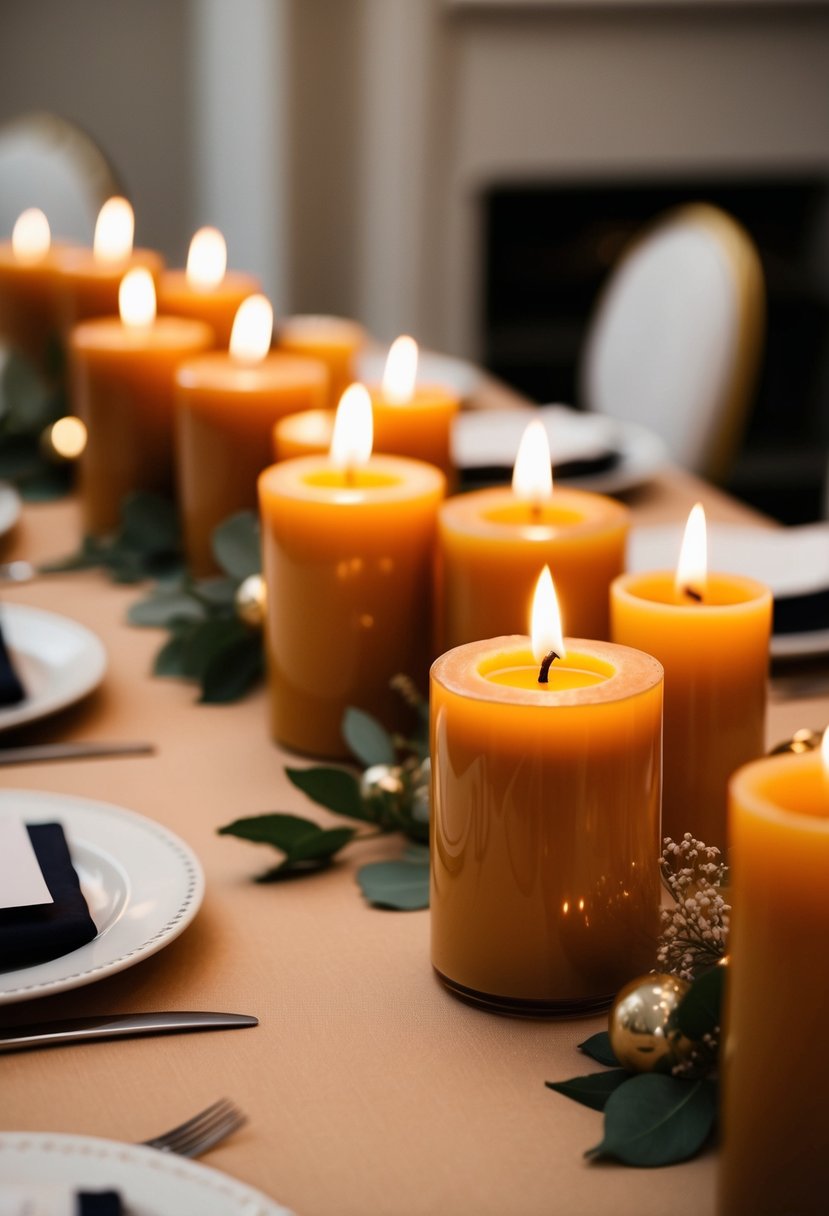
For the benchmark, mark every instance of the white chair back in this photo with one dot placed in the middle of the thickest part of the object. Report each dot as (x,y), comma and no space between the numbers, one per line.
(675,340)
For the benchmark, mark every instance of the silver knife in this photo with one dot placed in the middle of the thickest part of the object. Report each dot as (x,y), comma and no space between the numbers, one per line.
(116,1026)
(37,753)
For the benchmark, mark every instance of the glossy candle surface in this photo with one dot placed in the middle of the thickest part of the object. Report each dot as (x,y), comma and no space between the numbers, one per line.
(123,390)
(89,287)
(493,544)
(776,1075)
(216,305)
(30,304)
(226,412)
(545,822)
(420,428)
(715,656)
(349,573)
(336,341)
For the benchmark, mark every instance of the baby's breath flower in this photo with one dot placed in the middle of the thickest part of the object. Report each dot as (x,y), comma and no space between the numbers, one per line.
(695,931)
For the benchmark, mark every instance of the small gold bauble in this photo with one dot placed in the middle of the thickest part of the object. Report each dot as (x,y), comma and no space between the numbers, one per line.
(642,1025)
(803,740)
(381,779)
(250,601)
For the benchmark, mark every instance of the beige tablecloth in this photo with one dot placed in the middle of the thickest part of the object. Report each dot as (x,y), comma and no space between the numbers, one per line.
(369,1088)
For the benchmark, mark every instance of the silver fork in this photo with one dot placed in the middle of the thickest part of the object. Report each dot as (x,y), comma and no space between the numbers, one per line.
(202,1132)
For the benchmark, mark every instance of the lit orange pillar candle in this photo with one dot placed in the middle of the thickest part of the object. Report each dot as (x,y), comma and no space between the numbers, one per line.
(122,376)
(90,278)
(412,419)
(206,290)
(227,404)
(776,1070)
(711,633)
(348,542)
(334,340)
(30,289)
(494,542)
(305,434)
(545,819)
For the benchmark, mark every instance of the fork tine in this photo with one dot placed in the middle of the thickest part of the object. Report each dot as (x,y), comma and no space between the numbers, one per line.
(204,1129)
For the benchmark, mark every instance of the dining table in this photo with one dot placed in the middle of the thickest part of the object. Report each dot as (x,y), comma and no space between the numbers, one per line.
(368,1087)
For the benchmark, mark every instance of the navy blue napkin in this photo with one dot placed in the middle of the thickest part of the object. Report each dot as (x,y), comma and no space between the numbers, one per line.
(11,690)
(34,934)
(98,1203)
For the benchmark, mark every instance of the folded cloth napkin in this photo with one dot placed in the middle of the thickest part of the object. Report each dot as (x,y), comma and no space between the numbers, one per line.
(11,690)
(17,1199)
(34,934)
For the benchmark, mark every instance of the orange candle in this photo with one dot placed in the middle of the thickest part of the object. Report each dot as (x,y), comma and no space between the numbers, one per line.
(545,820)
(334,340)
(348,542)
(29,289)
(412,419)
(305,434)
(122,376)
(711,633)
(494,542)
(776,1073)
(90,278)
(227,404)
(206,290)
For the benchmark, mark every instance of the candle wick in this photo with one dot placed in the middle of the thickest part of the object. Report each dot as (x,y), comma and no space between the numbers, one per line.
(546,663)
(348,474)
(536,513)
(693,594)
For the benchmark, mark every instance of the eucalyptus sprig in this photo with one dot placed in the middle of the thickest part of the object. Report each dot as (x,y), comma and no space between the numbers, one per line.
(391,795)
(29,404)
(147,544)
(208,642)
(655,1118)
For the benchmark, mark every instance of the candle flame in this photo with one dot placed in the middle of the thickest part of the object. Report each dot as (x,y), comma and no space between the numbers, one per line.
(31,237)
(207,260)
(532,475)
(136,299)
(401,371)
(353,436)
(114,231)
(250,338)
(692,567)
(546,630)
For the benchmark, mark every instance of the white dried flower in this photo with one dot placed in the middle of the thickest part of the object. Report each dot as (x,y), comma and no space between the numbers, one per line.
(695,931)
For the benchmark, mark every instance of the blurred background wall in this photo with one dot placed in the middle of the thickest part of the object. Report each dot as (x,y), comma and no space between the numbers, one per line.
(439,166)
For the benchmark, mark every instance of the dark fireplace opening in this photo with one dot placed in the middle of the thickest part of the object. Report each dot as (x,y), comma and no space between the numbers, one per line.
(549,248)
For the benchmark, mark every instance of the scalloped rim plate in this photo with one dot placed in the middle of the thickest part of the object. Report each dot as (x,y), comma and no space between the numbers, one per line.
(58,660)
(150,1183)
(142,884)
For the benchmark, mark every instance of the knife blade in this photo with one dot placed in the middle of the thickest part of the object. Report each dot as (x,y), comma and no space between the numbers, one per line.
(117,1026)
(38,753)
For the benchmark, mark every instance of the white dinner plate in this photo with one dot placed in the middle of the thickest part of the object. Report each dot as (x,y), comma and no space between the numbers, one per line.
(58,661)
(149,1183)
(791,561)
(9,507)
(490,438)
(142,884)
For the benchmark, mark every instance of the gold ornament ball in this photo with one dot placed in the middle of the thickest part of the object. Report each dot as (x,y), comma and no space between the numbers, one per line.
(642,1025)
(250,601)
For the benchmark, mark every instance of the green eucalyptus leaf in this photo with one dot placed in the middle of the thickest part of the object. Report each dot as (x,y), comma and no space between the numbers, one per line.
(370,742)
(170,660)
(25,396)
(592,1090)
(161,609)
(149,524)
(46,483)
(232,670)
(216,593)
(657,1120)
(402,886)
(236,545)
(700,1010)
(207,639)
(599,1049)
(304,843)
(334,788)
